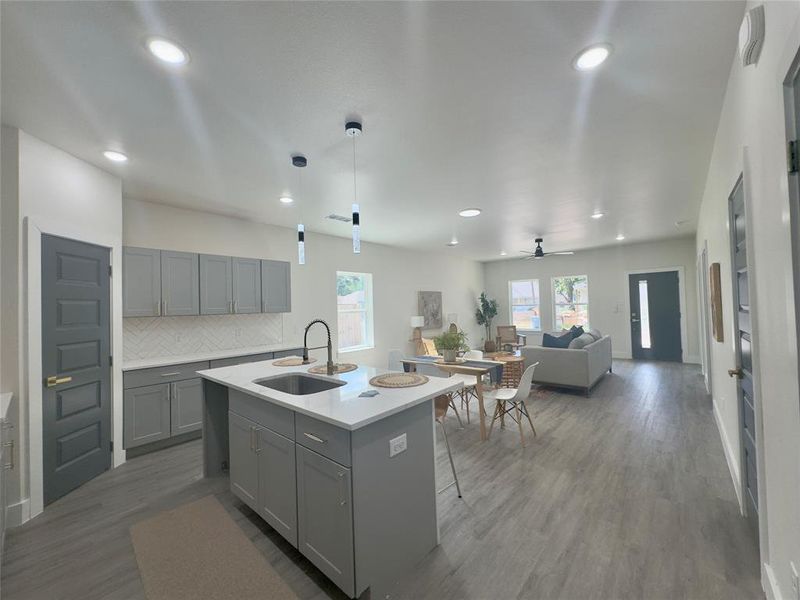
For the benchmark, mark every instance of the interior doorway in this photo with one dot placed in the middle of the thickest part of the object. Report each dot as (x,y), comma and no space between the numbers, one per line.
(655,316)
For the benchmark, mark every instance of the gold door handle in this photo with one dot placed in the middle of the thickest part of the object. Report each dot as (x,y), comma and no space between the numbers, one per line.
(737,372)
(54,380)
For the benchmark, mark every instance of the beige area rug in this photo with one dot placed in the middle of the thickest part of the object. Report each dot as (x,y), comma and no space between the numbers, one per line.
(197,552)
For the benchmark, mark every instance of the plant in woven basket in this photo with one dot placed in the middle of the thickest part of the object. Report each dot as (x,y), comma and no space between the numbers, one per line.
(449,343)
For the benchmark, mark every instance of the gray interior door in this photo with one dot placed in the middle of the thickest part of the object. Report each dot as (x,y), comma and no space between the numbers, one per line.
(655,316)
(76,364)
(743,371)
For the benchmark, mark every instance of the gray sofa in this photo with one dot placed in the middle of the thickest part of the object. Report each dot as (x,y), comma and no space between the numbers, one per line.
(577,368)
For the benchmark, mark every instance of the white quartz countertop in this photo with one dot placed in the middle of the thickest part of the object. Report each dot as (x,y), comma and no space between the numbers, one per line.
(340,406)
(163,361)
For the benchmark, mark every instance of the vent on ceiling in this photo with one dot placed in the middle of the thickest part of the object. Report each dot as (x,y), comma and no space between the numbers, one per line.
(751,35)
(335,217)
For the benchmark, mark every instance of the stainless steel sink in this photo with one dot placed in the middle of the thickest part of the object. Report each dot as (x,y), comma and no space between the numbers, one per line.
(299,384)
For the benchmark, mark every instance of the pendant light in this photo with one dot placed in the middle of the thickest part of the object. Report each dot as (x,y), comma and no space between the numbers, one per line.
(300,162)
(353,129)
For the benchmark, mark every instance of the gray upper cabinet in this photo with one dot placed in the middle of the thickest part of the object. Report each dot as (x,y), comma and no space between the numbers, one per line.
(216,285)
(246,285)
(186,406)
(180,283)
(325,517)
(276,286)
(146,415)
(141,282)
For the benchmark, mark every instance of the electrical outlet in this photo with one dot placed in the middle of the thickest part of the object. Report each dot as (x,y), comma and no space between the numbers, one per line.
(795,581)
(397,445)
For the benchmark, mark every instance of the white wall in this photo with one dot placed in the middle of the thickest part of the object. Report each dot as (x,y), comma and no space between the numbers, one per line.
(398,274)
(62,195)
(751,139)
(608,286)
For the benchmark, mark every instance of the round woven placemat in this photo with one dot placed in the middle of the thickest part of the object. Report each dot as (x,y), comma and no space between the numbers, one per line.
(338,368)
(398,380)
(292,361)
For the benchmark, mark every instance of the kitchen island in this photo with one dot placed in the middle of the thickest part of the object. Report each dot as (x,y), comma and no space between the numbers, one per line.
(348,480)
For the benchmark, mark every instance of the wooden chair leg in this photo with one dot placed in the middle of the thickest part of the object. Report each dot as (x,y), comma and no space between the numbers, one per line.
(455,410)
(528,416)
(519,423)
(494,418)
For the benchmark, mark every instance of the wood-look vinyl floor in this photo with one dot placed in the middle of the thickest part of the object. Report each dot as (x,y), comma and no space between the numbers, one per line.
(625,494)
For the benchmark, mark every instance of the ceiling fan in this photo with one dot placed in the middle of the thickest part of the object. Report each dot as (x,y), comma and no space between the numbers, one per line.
(539,253)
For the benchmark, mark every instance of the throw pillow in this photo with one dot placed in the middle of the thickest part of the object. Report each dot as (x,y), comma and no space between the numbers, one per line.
(552,341)
(577,344)
(594,333)
(576,331)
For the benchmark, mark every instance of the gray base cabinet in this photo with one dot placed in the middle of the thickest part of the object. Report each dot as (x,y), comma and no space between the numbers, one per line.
(186,406)
(146,415)
(325,517)
(262,473)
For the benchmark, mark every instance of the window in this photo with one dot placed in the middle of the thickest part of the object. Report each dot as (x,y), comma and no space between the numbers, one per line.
(354,311)
(524,303)
(644,314)
(570,301)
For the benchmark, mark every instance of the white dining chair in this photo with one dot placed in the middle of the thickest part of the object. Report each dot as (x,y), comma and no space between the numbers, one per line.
(508,400)
(441,404)
(469,392)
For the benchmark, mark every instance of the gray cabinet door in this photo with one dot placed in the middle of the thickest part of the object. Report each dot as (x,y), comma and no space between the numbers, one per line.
(186,406)
(146,414)
(216,285)
(325,517)
(180,283)
(243,460)
(277,483)
(276,294)
(141,282)
(246,285)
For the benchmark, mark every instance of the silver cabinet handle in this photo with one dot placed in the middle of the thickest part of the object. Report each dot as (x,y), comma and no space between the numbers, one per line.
(252,448)
(342,491)
(173,373)
(9,466)
(311,436)
(256,430)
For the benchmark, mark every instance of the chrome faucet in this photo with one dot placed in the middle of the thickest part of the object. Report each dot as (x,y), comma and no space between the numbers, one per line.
(329,367)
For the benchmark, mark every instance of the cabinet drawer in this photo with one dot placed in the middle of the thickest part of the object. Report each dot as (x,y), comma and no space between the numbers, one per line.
(262,412)
(323,438)
(156,375)
(239,360)
(292,352)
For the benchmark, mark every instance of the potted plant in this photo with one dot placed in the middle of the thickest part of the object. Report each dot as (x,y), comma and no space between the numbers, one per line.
(487,310)
(450,343)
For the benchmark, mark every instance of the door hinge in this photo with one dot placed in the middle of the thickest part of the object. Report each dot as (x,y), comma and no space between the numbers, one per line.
(792,158)
(111,446)
(110,361)
(110,271)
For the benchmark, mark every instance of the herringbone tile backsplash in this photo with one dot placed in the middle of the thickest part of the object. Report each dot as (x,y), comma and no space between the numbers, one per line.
(152,337)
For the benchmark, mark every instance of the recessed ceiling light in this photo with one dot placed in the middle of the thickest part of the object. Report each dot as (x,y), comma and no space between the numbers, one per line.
(592,57)
(453,241)
(620,237)
(286,200)
(115,156)
(598,215)
(503,253)
(166,51)
(470,212)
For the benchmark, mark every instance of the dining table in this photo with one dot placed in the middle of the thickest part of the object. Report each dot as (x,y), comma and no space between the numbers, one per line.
(468,367)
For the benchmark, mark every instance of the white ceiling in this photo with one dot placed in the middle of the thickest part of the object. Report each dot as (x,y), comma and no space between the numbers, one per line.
(463,104)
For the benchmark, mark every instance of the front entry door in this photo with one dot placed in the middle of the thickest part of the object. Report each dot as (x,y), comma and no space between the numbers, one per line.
(743,372)
(76,361)
(655,316)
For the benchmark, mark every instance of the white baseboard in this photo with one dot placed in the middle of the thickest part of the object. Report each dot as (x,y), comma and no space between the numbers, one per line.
(622,355)
(769,584)
(19,513)
(732,460)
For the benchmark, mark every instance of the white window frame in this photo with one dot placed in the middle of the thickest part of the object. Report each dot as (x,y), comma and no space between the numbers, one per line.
(511,302)
(554,296)
(368,311)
